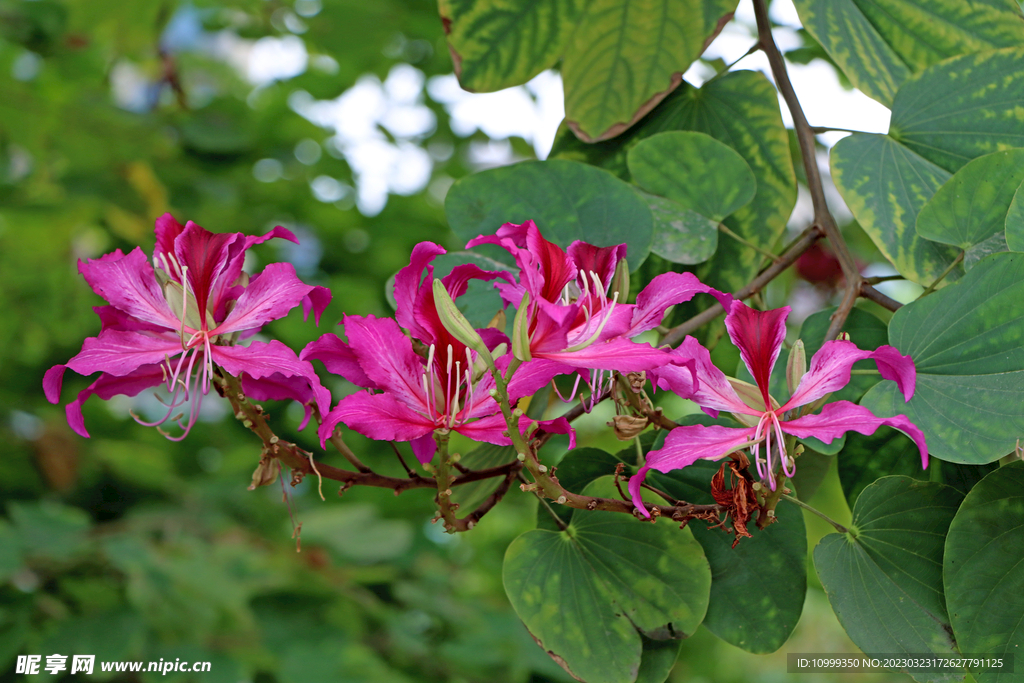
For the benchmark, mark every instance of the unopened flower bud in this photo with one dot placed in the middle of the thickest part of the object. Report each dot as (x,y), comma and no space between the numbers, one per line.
(796,366)
(266,472)
(456,323)
(521,330)
(843,336)
(620,280)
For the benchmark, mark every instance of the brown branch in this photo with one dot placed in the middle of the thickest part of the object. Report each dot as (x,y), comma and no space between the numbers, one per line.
(869,292)
(469,521)
(805,136)
(802,243)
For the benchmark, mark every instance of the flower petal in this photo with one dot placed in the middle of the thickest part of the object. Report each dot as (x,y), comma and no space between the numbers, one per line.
(558,425)
(488,429)
(758,335)
(128,283)
(635,483)
(339,359)
(167,230)
(387,358)
(119,353)
(837,418)
(213,260)
(408,284)
(599,260)
(278,387)
(278,231)
(270,296)
(831,366)
(263,359)
(316,301)
(532,375)
(378,416)
(667,290)
(711,390)
(52,381)
(424,448)
(619,354)
(113,318)
(686,445)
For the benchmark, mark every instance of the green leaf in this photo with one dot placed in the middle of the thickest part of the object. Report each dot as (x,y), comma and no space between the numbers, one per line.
(588,593)
(886,185)
(993,245)
(764,575)
(568,201)
(496,44)
(983,572)
(966,342)
(484,456)
(627,55)
(865,459)
(1015,222)
(880,44)
(884,578)
(811,470)
(695,171)
(681,235)
(963,108)
(740,109)
(972,206)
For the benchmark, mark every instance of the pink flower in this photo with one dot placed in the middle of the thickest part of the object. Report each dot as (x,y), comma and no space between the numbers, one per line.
(194,306)
(569,316)
(759,335)
(445,389)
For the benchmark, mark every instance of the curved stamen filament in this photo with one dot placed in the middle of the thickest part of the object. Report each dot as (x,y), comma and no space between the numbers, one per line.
(572,394)
(600,328)
(756,451)
(788,467)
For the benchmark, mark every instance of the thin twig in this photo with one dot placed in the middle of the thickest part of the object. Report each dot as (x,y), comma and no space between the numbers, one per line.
(872,294)
(398,453)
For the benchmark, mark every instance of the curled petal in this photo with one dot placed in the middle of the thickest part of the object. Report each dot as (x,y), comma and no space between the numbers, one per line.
(339,359)
(532,375)
(278,231)
(635,483)
(278,387)
(52,381)
(316,301)
(407,286)
(831,365)
(559,425)
(686,445)
(457,281)
(840,417)
(424,447)
(379,416)
(758,335)
(667,290)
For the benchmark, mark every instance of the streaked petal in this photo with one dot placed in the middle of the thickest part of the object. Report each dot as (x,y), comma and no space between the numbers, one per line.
(424,448)
(128,282)
(386,355)
(339,359)
(837,418)
(619,354)
(599,260)
(263,359)
(113,318)
(488,429)
(686,445)
(120,353)
(831,366)
(270,296)
(532,375)
(758,335)
(667,290)
(559,425)
(378,416)
(213,260)
(711,391)
(635,483)
(278,387)
(167,230)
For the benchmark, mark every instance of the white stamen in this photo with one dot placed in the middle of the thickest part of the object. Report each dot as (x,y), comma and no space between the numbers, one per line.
(600,328)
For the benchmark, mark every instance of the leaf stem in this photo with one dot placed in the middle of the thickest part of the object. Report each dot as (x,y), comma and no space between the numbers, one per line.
(838,527)
(940,278)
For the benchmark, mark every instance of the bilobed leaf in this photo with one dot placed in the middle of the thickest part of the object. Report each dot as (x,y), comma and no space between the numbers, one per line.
(627,55)
(886,185)
(496,44)
(884,579)
(880,44)
(962,108)
(764,575)
(983,572)
(588,593)
(568,201)
(865,459)
(694,170)
(681,235)
(971,207)
(967,342)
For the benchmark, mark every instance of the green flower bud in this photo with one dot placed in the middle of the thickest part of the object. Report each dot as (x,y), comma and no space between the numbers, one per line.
(620,281)
(521,330)
(456,323)
(796,366)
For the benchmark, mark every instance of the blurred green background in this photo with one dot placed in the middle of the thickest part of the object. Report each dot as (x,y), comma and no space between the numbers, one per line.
(334,119)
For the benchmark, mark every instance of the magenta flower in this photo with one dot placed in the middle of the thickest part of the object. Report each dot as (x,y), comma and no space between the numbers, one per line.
(569,316)
(194,307)
(445,389)
(759,335)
